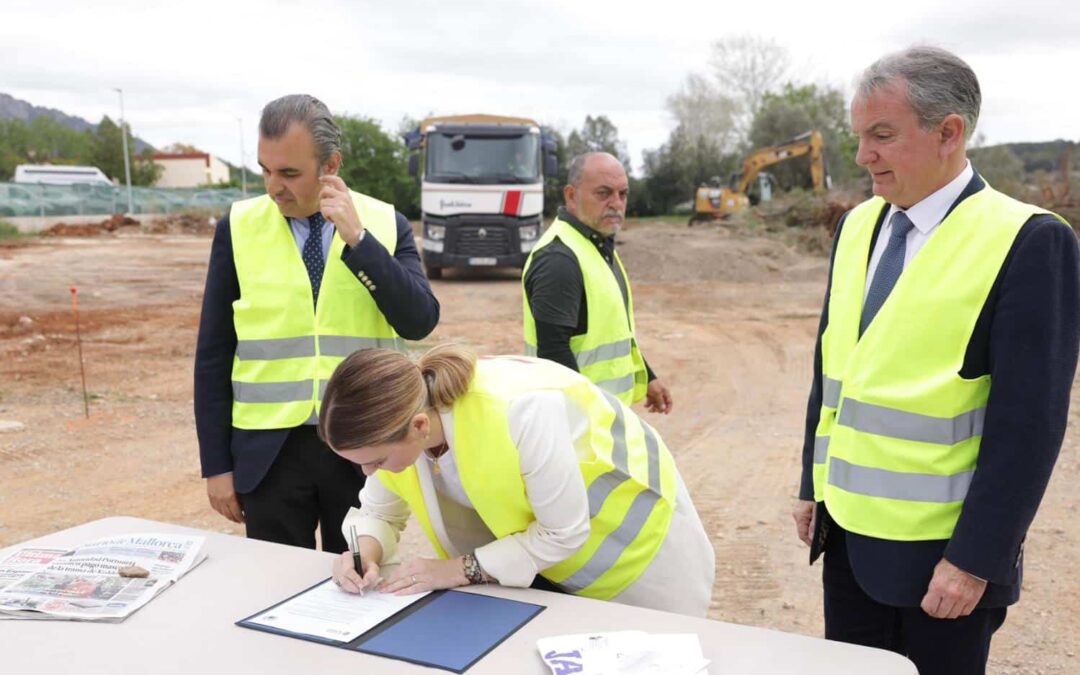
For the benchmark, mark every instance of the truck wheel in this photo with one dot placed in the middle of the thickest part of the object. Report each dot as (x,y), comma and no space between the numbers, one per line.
(434,273)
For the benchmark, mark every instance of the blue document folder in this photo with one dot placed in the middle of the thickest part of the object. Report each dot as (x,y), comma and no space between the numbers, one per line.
(450,630)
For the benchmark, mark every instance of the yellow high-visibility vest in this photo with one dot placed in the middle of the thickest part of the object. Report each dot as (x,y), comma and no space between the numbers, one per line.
(898,438)
(607,353)
(287,347)
(629,474)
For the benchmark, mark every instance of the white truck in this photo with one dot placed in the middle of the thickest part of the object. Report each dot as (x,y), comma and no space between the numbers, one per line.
(481,188)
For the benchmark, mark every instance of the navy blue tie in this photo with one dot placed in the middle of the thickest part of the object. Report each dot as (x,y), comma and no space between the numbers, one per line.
(889,268)
(313,253)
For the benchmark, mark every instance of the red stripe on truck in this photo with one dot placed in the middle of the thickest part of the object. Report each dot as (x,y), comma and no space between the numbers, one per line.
(512,203)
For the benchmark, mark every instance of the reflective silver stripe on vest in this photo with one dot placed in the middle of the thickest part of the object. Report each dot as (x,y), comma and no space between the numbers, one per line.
(343,345)
(608,352)
(276,348)
(605,483)
(621,537)
(615,543)
(882,421)
(912,487)
(530,350)
(821,449)
(617,385)
(272,392)
(830,392)
(304,346)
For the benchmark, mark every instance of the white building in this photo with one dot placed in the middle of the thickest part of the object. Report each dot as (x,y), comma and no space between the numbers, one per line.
(190,169)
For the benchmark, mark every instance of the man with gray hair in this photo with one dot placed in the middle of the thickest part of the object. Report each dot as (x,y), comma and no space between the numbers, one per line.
(298,279)
(945,359)
(576,299)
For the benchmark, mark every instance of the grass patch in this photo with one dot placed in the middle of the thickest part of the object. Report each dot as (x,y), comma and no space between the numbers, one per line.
(9,231)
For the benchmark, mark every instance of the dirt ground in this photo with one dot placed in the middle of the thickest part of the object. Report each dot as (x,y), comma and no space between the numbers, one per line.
(727,317)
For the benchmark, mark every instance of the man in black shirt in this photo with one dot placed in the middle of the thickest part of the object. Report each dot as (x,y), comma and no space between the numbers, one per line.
(559,297)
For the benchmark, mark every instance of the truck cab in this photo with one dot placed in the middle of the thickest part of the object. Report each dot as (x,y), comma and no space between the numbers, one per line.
(481,189)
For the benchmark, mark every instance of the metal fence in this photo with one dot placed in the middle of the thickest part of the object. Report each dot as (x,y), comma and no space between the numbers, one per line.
(29,199)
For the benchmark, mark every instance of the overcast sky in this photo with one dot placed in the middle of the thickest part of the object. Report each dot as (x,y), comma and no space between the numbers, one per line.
(191,69)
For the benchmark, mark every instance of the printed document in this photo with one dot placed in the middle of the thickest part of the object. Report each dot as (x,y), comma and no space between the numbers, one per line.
(325,611)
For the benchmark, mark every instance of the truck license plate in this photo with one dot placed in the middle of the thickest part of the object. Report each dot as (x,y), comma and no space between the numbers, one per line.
(482,261)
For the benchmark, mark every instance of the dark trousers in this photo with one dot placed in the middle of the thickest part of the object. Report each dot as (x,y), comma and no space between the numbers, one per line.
(945,646)
(307,485)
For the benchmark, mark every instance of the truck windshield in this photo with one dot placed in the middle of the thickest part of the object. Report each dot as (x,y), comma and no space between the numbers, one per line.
(489,160)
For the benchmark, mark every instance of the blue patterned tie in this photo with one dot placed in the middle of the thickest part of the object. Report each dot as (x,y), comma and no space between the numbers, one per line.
(888,270)
(313,254)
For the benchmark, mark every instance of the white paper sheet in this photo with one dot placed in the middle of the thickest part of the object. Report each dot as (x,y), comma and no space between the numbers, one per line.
(328,612)
(624,653)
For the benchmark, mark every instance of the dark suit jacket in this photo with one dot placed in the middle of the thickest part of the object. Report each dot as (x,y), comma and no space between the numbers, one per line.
(401,292)
(1026,338)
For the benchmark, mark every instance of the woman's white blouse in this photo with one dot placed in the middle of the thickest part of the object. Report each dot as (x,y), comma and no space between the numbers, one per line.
(547,429)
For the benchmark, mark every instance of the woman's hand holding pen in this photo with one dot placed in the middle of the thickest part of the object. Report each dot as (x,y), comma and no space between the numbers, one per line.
(345,575)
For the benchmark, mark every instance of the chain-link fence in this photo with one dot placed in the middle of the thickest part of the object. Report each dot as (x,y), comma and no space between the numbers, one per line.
(30,199)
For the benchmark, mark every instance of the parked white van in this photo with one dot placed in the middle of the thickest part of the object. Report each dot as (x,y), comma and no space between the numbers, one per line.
(59,174)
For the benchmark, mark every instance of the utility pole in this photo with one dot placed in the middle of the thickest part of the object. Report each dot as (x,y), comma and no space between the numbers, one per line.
(243,167)
(127,161)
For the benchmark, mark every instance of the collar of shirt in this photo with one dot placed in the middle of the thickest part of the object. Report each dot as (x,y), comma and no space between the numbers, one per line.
(928,213)
(606,245)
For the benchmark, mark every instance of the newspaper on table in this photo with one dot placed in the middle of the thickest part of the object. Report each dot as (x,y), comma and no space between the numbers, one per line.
(628,652)
(85,584)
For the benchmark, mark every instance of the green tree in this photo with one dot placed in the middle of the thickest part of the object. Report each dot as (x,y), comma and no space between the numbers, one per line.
(107,154)
(49,141)
(144,171)
(796,110)
(674,171)
(376,163)
(13,144)
(599,134)
(1001,167)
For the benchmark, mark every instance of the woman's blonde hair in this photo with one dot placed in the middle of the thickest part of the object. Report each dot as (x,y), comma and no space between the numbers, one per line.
(374,393)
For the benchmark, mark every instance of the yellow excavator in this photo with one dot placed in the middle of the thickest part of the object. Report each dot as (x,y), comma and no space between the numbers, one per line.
(715,201)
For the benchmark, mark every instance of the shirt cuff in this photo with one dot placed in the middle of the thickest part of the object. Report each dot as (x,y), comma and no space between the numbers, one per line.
(507,561)
(370,526)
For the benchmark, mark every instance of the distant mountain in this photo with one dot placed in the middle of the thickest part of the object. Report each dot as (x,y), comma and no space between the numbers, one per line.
(12,108)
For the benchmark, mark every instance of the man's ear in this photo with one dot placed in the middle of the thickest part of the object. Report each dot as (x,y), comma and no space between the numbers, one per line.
(333,165)
(569,193)
(951,134)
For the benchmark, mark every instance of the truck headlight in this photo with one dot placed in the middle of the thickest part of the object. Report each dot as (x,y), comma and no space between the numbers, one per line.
(436,232)
(529,232)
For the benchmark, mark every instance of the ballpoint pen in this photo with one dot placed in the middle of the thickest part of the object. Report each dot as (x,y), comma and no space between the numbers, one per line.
(354,548)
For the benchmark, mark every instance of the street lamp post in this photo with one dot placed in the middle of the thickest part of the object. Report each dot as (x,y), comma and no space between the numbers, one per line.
(243,167)
(127,161)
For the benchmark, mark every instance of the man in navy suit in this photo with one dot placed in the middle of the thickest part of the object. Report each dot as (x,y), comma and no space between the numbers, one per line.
(944,364)
(298,278)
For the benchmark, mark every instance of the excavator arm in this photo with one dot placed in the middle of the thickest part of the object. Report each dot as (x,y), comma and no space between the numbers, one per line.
(809,143)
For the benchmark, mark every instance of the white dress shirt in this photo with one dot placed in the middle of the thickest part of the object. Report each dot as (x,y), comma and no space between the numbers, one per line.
(549,431)
(925,216)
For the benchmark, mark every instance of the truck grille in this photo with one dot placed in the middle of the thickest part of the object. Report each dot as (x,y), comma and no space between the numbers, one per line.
(482,241)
